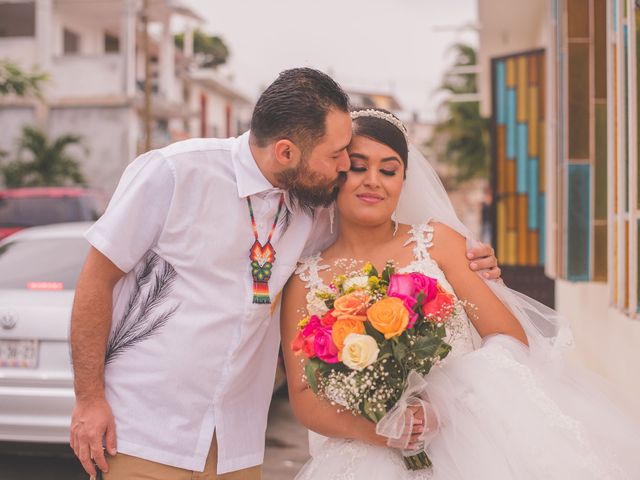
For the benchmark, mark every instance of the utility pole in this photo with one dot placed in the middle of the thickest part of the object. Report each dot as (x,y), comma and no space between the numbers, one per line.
(146,112)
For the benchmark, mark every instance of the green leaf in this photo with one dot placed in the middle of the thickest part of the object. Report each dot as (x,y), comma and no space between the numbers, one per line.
(372,332)
(310,370)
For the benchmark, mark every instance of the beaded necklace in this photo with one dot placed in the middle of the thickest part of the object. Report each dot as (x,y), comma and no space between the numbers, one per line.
(262,257)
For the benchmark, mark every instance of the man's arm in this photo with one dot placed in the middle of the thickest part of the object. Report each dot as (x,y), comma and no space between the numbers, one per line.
(92,419)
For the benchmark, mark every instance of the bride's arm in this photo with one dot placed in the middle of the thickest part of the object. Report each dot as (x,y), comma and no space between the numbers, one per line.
(313,412)
(487,313)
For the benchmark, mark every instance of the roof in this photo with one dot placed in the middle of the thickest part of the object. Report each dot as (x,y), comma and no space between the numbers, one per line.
(211,80)
(374,100)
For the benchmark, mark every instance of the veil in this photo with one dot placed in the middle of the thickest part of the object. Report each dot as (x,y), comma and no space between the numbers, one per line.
(424,197)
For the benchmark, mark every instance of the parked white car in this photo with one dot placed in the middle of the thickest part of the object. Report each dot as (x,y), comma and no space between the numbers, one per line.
(39,268)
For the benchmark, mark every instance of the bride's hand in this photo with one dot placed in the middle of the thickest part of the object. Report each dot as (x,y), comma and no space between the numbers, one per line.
(482,258)
(421,425)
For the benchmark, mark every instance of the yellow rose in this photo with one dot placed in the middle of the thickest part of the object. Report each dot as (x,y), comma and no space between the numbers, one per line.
(353,306)
(389,316)
(344,327)
(359,351)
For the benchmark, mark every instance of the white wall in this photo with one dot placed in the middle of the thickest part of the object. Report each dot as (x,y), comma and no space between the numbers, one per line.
(20,50)
(12,119)
(109,134)
(606,341)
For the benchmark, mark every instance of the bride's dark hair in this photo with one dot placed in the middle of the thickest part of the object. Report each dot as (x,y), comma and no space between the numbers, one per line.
(384,132)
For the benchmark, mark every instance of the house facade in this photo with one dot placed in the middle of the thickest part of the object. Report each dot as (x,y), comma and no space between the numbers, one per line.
(559,79)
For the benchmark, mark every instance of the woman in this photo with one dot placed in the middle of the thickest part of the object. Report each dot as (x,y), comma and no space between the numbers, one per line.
(506,410)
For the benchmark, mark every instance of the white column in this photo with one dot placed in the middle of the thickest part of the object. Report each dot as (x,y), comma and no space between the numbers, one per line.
(44,33)
(167,60)
(128,47)
(188,41)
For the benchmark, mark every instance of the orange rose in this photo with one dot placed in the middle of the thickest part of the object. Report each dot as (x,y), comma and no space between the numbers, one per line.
(344,327)
(352,306)
(389,316)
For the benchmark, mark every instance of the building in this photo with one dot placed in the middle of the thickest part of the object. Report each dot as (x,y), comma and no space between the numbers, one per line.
(559,79)
(94,55)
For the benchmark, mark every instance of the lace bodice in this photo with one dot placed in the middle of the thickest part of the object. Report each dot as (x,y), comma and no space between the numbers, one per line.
(460,333)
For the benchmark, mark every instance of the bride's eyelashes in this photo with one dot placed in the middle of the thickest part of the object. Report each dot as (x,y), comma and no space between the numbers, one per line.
(360,169)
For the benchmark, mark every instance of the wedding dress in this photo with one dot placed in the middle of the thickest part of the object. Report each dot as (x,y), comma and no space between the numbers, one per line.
(504,413)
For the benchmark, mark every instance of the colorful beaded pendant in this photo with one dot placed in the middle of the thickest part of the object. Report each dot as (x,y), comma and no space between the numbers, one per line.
(262,257)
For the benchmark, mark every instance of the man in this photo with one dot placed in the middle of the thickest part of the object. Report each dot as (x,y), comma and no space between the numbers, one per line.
(173,348)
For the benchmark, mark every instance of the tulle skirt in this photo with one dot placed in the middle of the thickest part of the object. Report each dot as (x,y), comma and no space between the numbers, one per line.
(503,416)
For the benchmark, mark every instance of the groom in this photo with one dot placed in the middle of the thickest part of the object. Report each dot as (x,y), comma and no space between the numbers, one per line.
(173,346)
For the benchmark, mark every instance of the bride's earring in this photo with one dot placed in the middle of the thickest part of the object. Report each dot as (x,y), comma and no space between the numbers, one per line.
(332,216)
(394,217)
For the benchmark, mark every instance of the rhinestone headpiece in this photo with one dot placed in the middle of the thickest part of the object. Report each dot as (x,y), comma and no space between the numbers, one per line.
(370,112)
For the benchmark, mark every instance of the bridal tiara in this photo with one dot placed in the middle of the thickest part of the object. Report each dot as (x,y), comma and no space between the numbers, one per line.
(392,119)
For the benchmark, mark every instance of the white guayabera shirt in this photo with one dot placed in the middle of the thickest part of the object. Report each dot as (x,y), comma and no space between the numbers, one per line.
(188,352)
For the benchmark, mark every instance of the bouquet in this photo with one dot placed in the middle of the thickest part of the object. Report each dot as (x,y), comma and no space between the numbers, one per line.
(367,335)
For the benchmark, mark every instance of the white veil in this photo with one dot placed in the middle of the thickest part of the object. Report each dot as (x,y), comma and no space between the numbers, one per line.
(424,197)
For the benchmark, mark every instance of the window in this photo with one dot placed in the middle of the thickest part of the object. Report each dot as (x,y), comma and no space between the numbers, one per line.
(71,42)
(111,43)
(17,19)
(624,201)
(580,220)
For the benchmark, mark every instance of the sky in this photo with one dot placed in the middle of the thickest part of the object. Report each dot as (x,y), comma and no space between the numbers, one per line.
(390,46)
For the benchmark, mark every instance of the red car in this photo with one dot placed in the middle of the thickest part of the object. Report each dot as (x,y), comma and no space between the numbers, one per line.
(27,207)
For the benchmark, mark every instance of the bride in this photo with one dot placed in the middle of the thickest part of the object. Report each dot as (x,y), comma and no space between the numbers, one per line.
(506,405)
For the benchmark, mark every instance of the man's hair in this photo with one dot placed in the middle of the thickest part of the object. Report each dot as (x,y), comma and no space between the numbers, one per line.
(295,106)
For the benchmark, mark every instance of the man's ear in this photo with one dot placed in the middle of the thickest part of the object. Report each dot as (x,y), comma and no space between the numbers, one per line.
(287,153)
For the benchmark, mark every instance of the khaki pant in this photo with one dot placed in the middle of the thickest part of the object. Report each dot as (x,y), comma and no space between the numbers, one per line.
(126,467)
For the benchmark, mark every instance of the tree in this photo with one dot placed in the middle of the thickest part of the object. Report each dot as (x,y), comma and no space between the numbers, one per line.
(15,81)
(49,163)
(210,50)
(461,139)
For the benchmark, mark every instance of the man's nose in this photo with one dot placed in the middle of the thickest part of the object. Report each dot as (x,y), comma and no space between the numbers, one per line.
(344,162)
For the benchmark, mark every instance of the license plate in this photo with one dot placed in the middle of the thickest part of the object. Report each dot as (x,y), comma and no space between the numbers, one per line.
(19,353)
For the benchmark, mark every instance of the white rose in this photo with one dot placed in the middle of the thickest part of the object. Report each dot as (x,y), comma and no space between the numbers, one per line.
(359,351)
(359,282)
(315,305)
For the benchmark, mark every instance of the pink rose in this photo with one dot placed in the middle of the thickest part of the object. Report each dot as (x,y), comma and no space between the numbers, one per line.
(311,327)
(303,344)
(401,285)
(325,349)
(427,285)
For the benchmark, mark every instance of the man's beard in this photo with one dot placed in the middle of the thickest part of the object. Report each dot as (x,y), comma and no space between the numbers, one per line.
(308,189)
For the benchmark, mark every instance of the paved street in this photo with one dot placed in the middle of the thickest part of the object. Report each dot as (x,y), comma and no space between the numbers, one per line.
(286,452)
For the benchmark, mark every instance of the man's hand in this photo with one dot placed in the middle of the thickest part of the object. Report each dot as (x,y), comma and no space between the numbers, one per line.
(91,422)
(482,258)
(420,426)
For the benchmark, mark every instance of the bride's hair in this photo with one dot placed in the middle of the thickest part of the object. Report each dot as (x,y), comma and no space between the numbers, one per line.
(367,124)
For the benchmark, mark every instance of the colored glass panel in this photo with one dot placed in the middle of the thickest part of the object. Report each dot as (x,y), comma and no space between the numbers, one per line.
(600,253)
(600,48)
(541,157)
(511,73)
(512,247)
(532,193)
(511,123)
(541,87)
(521,159)
(578,18)
(601,162)
(511,176)
(501,218)
(533,122)
(511,212)
(501,159)
(522,89)
(543,229)
(534,245)
(501,93)
(522,230)
(578,92)
(533,70)
(578,231)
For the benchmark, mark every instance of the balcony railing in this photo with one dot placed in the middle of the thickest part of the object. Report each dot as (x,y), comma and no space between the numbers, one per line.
(87,76)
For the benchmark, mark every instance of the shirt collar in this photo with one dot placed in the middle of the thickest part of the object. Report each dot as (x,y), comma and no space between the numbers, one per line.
(249,178)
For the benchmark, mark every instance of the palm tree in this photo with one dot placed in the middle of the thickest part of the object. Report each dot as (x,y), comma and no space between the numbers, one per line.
(17,82)
(49,163)
(461,139)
